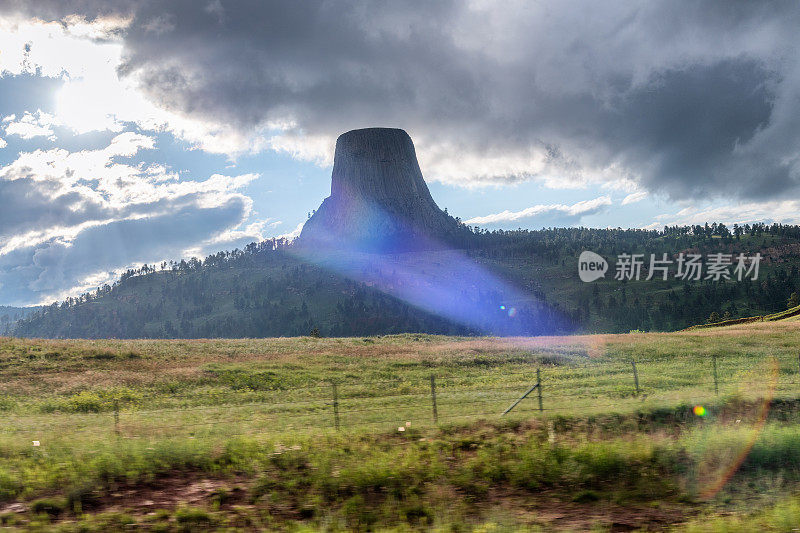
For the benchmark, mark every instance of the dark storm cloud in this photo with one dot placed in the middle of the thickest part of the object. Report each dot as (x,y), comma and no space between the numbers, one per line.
(128,242)
(687,129)
(686,98)
(29,206)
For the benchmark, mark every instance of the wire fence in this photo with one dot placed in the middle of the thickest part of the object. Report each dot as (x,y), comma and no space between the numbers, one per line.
(443,397)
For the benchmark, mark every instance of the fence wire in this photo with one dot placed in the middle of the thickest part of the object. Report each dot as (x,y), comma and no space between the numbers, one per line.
(591,386)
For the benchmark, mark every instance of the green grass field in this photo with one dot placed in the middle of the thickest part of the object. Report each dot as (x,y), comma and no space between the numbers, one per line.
(241,434)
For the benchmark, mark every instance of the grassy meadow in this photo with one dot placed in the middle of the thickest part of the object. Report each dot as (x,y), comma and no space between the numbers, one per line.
(178,435)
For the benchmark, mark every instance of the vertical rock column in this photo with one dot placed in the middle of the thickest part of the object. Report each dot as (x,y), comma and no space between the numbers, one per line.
(379,200)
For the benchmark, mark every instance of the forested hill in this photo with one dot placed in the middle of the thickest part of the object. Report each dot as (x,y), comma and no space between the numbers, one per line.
(10,314)
(268,290)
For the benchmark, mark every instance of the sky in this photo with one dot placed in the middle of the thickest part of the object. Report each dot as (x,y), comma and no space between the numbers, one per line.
(134,132)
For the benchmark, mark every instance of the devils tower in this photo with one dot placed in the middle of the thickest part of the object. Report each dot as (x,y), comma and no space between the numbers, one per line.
(379,200)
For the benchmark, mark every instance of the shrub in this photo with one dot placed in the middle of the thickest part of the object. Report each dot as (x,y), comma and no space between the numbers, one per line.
(586,496)
(99,401)
(6,404)
(86,402)
(192,516)
(49,506)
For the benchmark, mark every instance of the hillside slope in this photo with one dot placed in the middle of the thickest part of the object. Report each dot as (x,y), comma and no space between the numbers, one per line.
(268,290)
(267,293)
(10,314)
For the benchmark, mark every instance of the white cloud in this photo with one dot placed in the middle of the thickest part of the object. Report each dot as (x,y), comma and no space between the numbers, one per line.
(55,49)
(69,215)
(228,239)
(129,143)
(87,55)
(785,212)
(293,234)
(634,197)
(317,149)
(459,165)
(552,211)
(652,226)
(31,125)
(3,143)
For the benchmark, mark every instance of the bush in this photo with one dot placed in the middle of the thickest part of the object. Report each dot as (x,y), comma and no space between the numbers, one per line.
(50,506)
(86,402)
(82,498)
(793,301)
(193,519)
(6,404)
(586,496)
(99,401)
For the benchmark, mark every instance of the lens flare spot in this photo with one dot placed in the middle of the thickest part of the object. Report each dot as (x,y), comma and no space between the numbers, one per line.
(512,312)
(503,307)
(699,410)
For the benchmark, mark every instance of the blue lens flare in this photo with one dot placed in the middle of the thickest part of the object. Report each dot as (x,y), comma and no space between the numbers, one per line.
(441,281)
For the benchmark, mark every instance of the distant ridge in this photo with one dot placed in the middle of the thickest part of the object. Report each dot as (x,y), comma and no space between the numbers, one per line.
(9,315)
(379,200)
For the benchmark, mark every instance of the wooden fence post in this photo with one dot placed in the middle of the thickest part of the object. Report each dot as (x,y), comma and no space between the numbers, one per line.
(539,388)
(635,376)
(335,405)
(433,400)
(116,417)
(716,380)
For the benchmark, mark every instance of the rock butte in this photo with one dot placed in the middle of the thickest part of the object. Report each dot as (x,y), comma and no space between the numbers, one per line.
(379,200)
